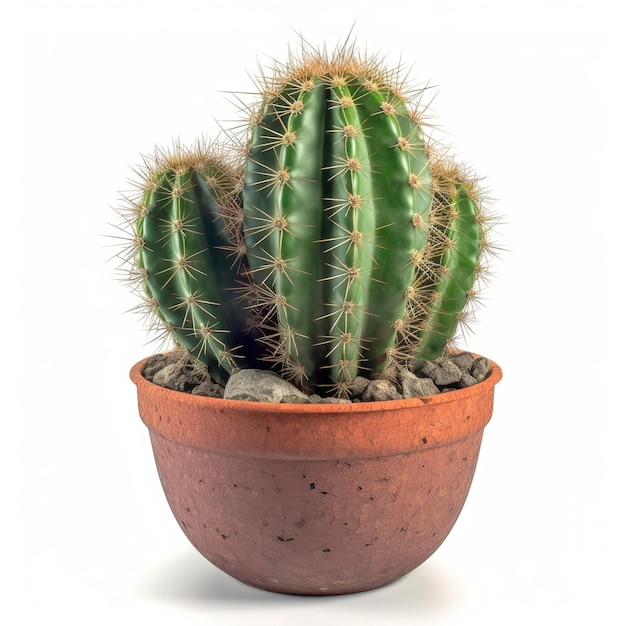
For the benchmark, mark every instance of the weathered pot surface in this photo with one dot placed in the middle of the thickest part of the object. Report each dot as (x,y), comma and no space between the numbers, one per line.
(316,499)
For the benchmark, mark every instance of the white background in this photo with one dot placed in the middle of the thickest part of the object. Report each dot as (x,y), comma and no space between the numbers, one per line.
(528,92)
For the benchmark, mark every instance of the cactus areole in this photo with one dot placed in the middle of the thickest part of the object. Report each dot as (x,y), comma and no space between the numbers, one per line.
(338,243)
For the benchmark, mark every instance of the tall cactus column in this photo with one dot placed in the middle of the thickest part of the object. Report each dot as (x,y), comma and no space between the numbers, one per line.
(337,198)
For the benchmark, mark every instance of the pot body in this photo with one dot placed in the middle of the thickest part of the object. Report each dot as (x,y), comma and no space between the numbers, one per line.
(316,499)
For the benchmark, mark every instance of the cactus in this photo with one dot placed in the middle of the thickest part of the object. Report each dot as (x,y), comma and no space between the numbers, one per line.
(445,280)
(338,243)
(337,200)
(187,227)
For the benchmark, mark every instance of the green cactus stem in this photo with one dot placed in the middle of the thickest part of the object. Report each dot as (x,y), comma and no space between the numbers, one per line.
(188,257)
(452,261)
(337,199)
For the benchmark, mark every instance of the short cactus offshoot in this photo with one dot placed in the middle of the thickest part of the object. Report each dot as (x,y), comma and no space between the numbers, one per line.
(338,243)
(445,285)
(189,257)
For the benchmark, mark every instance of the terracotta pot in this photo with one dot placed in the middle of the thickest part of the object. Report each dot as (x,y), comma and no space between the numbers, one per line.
(316,499)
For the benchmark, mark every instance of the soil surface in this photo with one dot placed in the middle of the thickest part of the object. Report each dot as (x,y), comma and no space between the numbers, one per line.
(455,371)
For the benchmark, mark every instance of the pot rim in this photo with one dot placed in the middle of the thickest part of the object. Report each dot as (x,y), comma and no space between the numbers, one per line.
(315,431)
(137,377)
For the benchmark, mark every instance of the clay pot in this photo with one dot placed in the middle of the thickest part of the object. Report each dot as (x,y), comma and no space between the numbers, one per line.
(316,499)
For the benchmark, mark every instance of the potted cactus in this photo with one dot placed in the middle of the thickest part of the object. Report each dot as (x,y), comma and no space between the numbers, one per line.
(339,250)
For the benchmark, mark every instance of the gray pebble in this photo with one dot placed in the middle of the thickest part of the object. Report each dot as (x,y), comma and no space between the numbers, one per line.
(179,376)
(209,389)
(428,369)
(358,385)
(463,360)
(157,363)
(413,387)
(260,386)
(380,390)
(443,373)
(467,380)
(481,369)
(449,373)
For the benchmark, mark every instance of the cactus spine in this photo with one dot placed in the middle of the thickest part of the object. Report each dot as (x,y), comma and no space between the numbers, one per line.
(337,199)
